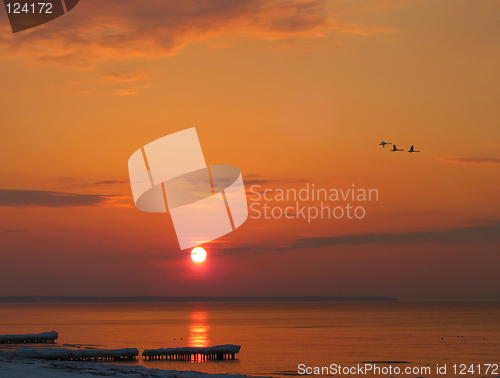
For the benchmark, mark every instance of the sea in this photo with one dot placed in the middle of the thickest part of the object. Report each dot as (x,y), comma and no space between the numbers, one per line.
(283,339)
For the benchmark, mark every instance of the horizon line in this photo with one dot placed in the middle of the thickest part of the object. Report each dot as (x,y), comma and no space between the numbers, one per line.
(187,299)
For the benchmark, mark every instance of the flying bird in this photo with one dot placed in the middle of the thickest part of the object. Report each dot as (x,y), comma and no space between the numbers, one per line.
(383,144)
(394,149)
(412,150)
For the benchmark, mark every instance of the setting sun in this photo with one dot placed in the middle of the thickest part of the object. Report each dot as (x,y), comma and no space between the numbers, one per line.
(198,254)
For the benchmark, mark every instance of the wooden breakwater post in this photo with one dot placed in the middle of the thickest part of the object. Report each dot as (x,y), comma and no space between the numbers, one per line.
(75,354)
(217,352)
(46,337)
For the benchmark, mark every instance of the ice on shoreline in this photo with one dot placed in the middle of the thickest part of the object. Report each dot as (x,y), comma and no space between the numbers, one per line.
(29,338)
(72,354)
(22,367)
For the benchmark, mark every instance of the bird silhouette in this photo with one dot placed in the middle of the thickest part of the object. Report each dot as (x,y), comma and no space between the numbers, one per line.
(412,150)
(383,144)
(394,148)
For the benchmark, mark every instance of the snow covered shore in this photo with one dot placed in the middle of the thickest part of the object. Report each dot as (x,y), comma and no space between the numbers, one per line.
(45,337)
(73,354)
(28,368)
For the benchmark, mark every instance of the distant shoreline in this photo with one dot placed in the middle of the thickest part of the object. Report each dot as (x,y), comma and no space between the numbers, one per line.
(153,299)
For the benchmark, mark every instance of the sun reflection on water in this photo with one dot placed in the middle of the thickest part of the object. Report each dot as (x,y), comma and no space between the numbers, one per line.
(198,329)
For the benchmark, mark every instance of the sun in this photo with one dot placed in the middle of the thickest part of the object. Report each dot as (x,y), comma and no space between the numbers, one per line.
(198,254)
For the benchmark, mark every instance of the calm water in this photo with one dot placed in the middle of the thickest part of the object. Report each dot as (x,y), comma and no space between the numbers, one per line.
(276,337)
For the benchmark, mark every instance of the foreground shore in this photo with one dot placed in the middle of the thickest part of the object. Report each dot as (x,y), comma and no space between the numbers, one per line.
(27,368)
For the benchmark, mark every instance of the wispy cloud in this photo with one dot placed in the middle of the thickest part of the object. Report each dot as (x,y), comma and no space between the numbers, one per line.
(260,180)
(111,182)
(130,91)
(486,232)
(112,83)
(12,231)
(41,198)
(467,234)
(232,250)
(485,221)
(119,29)
(471,160)
(97,183)
(123,77)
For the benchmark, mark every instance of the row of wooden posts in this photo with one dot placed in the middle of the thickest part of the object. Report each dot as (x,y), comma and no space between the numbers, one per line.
(24,341)
(192,356)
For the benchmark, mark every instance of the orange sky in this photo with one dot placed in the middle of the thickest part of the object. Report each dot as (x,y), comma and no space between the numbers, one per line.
(290,92)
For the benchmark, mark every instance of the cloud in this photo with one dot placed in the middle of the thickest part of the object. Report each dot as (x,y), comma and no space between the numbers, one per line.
(111,182)
(259,180)
(231,250)
(98,183)
(485,221)
(123,77)
(130,91)
(41,198)
(11,231)
(100,31)
(471,160)
(488,231)
(114,80)
(484,233)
